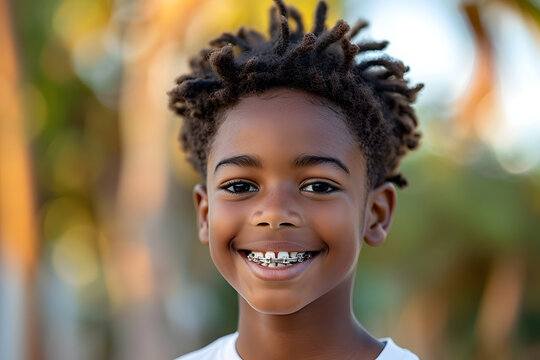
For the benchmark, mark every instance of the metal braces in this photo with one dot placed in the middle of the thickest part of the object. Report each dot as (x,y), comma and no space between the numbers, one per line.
(300,257)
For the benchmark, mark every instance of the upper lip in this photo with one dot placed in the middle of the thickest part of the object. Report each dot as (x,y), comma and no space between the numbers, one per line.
(276,246)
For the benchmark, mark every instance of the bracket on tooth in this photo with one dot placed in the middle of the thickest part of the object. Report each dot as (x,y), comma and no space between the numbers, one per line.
(300,257)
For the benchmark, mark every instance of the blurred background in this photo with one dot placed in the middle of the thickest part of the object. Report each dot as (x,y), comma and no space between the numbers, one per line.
(99,257)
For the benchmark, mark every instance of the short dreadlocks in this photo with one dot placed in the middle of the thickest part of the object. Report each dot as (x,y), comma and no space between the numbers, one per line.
(373,94)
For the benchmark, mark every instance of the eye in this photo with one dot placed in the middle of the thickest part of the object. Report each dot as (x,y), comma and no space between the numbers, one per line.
(239,187)
(319,187)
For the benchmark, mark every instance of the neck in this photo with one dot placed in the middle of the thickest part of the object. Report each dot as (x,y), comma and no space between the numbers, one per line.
(323,329)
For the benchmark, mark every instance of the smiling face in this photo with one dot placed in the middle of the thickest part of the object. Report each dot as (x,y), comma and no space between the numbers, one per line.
(285,175)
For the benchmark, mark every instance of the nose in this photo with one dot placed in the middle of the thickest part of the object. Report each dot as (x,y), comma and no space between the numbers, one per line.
(277,209)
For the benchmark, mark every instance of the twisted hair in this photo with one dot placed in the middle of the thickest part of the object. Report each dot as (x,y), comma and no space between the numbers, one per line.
(372,92)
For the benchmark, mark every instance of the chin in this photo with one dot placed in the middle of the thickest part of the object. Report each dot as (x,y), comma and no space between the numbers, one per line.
(276,305)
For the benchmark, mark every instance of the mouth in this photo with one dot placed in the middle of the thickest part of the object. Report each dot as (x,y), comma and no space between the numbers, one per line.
(278,259)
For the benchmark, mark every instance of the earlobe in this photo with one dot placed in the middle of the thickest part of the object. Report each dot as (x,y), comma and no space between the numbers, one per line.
(201,205)
(380,210)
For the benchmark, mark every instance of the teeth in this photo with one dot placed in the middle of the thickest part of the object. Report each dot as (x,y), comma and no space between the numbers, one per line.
(283,259)
(283,255)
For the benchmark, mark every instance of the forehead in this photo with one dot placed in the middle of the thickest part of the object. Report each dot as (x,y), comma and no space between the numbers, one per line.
(286,123)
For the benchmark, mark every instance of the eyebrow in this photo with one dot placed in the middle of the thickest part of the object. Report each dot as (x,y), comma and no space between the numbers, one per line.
(240,160)
(311,160)
(301,161)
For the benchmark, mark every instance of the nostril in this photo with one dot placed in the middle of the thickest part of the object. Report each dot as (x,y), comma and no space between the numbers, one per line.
(286,224)
(283,224)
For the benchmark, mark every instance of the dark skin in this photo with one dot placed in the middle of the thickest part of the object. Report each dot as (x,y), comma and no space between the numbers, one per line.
(286,174)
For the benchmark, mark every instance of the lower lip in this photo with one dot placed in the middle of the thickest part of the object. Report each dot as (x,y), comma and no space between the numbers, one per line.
(279,273)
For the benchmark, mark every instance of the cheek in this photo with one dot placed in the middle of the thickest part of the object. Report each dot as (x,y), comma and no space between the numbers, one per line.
(339,226)
(225,219)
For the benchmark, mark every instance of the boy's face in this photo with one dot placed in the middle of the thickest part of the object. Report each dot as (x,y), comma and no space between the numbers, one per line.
(286,175)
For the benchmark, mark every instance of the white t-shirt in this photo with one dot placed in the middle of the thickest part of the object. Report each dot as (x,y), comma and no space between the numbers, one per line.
(224,348)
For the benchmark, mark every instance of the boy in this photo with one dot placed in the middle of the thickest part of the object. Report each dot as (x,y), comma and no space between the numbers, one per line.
(298,146)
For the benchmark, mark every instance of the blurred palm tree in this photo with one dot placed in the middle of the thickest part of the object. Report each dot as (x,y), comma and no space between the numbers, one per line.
(18,233)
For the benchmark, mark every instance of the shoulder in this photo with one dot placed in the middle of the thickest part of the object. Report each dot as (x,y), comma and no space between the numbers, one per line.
(393,352)
(222,348)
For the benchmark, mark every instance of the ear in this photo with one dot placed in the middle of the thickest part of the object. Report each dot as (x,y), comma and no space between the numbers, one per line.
(201,205)
(379,212)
